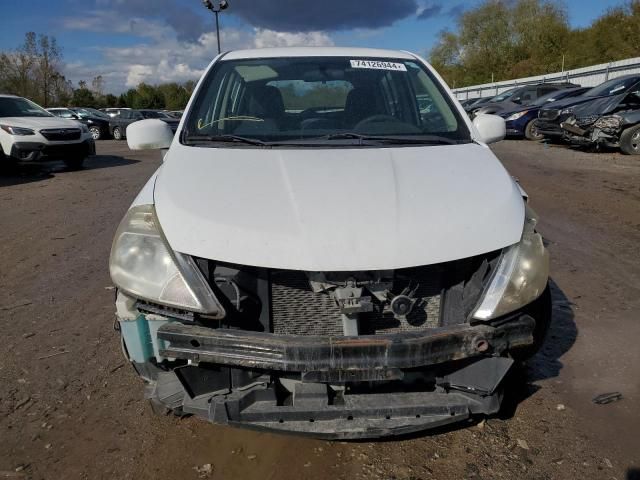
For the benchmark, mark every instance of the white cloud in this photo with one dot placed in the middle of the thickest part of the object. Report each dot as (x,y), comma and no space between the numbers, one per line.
(269,38)
(138,74)
(160,57)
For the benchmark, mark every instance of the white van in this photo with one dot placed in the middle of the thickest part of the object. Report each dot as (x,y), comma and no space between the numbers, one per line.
(328,248)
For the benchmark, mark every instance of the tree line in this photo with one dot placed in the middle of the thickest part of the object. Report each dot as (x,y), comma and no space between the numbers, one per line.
(34,70)
(507,39)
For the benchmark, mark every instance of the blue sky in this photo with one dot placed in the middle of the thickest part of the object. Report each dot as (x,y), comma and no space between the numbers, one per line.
(128,41)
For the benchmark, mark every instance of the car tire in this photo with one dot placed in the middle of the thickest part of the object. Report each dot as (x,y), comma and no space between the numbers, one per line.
(531,132)
(95,133)
(540,310)
(630,141)
(117,133)
(74,163)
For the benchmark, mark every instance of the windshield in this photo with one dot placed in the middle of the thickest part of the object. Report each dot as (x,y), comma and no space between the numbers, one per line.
(90,112)
(151,114)
(323,99)
(21,107)
(63,112)
(613,87)
(504,95)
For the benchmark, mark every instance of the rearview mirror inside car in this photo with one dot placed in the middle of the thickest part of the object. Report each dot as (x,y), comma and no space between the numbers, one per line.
(151,134)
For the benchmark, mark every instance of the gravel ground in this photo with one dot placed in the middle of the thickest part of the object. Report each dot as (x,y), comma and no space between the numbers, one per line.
(71,408)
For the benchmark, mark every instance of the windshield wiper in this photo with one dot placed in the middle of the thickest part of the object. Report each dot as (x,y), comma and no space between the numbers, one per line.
(422,140)
(227,138)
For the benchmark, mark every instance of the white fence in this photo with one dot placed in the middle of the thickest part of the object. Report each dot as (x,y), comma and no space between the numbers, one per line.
(586,77)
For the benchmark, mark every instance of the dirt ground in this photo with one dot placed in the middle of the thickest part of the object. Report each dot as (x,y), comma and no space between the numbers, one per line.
(71,408)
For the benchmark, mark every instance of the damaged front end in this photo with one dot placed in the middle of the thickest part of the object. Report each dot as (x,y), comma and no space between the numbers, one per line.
(594,130)
(330,354)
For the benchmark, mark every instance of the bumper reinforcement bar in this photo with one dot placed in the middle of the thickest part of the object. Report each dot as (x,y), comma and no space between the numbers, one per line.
(319,353)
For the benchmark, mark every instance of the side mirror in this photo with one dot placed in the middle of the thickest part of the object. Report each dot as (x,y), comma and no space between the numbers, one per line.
(490,128)
(151,134)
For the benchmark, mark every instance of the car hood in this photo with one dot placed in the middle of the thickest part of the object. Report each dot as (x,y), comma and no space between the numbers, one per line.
(341,209)
(569,102)
(598,106)
(40,122)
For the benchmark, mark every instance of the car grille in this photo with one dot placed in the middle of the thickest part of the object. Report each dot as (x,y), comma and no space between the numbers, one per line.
(61,134)
(297,310)
(548,114)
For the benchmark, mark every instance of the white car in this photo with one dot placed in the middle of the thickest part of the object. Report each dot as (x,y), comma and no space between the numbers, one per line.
(318,255)
(28,133)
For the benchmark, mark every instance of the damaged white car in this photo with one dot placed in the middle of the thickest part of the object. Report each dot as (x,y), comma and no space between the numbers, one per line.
(329,248)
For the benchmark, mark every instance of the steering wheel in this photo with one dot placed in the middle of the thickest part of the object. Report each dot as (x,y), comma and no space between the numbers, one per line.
(375,119)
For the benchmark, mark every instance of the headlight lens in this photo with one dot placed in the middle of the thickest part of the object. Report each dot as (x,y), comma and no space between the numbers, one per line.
(17,130)
(144,266)
(518,115)
(567,111)
(520,277)
(609,123)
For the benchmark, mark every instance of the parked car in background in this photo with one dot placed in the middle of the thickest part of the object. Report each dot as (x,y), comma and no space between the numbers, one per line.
(351,262)
(176,113)
(29,133)
(517,97)
(611,121)
(96,121)
(118,125)
(552,116)
(114,111)
(521,121)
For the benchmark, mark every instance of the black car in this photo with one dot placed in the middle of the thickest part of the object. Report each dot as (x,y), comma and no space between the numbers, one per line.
(119,123)
(96,121)
(516,98)
(610,121)
(612,93)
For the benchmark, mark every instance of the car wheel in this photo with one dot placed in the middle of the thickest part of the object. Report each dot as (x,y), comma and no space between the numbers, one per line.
(117,133)
(531,131)
(74,163)
(630,141)
(95,133)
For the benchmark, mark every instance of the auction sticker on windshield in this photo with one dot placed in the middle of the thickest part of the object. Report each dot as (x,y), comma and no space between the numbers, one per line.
(378,65)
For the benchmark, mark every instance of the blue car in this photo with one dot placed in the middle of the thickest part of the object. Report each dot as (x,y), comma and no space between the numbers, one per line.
(522,121)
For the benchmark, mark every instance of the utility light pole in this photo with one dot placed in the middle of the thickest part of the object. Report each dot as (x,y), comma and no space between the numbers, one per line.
(216,7)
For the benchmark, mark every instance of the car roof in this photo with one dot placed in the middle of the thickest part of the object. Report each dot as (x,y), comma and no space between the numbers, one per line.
(316,52)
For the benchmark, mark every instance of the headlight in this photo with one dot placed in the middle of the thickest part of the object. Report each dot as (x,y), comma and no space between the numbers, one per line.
(520,277)
(518,115)
(609,123)
(17,130)
(567,111)
(144,266)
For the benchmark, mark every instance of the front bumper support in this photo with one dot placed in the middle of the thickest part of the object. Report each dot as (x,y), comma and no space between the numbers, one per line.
(342,354)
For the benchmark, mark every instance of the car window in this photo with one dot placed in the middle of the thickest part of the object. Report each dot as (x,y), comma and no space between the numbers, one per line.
(148,114)
(21,107)
(546,90)
(287,99)
(524,97)
(125,114)
(64,113)
(632,100)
